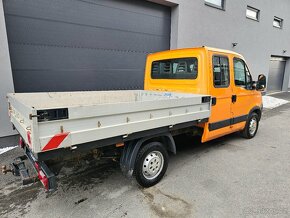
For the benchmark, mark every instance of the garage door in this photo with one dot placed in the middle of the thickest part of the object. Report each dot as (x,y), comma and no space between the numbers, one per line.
(276,74)
(65,45)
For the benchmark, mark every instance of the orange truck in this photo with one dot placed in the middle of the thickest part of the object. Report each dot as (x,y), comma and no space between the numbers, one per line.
(199,91)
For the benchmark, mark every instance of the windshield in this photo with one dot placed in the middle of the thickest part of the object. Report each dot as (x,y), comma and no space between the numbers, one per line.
(179,68)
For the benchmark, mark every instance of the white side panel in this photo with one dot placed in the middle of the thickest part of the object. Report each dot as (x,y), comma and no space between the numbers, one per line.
(94,116)
(96,128)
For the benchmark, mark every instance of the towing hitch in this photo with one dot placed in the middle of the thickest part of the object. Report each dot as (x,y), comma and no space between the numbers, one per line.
(18,168)
(5,170)
(44,174)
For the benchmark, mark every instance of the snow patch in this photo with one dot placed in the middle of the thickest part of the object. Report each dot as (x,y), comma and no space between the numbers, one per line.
(271,102)
(3,150)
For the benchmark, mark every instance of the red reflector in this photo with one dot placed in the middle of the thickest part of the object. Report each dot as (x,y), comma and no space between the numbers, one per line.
(29,137)
(43,179)
(21,144)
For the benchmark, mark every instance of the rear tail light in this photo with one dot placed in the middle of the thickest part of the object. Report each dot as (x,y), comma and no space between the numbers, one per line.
(29,137)
(21,142)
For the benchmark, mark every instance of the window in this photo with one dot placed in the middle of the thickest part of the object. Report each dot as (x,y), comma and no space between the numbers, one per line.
(243,77)
(216,3)
(277,22)
(221,72)
(180,68)
(253,13)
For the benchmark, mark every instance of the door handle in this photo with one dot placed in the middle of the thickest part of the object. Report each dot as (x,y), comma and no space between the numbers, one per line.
(234,98)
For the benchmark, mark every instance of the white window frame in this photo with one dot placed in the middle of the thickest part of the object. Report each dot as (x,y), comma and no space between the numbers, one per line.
(222,6)
(279,20)
(255,10)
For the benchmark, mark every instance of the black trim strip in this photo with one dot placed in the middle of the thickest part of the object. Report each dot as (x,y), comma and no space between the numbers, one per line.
(240,119)
(227,122)
(219,124)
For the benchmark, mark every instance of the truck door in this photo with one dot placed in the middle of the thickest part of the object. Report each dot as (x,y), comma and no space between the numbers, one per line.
(243,93)
(221,91)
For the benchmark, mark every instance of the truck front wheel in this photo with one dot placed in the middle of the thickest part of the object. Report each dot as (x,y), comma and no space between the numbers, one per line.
(151,164)
(251,127)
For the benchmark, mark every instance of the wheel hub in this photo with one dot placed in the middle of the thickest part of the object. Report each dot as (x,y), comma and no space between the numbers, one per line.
(152,165)
(253,126)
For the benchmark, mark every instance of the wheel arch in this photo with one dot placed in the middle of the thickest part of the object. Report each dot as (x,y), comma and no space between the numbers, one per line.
(131,149)
(256,110)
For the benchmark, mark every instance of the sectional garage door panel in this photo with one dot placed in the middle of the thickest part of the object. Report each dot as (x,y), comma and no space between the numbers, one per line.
(82,70)
(276,74)
(83,45)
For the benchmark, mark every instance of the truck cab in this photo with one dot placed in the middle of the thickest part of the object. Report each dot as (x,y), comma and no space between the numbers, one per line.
(220,73)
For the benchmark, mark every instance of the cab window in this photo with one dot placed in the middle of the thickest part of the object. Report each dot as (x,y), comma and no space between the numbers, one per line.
(178,68)
(221,72)
(243,77)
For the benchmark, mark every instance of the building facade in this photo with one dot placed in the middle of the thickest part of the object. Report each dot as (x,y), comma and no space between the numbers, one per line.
(69,45)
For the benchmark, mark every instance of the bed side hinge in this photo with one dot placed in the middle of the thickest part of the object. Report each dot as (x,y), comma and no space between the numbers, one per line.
(31,116)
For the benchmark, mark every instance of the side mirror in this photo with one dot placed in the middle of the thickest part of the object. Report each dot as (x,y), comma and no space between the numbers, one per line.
(261,83)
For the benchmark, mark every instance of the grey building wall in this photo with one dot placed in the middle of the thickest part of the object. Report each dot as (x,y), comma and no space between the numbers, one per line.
(194,24)
(6,81)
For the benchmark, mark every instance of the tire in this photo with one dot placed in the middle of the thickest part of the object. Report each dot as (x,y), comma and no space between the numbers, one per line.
(152,155)
(251,127)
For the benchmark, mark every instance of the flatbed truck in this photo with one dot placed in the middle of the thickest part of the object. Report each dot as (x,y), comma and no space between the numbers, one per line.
(200,91)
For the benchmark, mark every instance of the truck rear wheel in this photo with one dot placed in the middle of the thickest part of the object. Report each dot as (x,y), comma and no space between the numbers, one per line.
(151,164)
(251,127)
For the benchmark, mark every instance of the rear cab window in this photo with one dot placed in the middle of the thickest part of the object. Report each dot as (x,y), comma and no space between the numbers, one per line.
(177,68)
(221,72)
